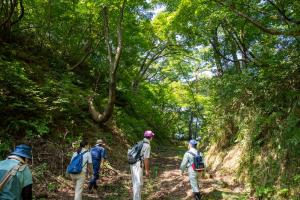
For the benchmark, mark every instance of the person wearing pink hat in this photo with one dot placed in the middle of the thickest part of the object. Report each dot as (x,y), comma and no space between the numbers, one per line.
(137,168)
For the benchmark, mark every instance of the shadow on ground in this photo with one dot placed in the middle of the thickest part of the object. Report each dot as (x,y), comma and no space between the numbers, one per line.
(165,183)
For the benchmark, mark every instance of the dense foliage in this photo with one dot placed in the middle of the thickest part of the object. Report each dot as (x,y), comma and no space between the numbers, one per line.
(225,70)
(253,46)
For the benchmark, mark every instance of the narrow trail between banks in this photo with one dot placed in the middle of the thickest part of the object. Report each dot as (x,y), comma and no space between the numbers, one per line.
(166,182)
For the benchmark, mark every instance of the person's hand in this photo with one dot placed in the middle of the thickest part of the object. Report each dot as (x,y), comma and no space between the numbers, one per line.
(147,174)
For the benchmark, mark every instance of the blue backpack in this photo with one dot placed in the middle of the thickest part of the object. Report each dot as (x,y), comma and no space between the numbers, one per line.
(198,162)
(75,166)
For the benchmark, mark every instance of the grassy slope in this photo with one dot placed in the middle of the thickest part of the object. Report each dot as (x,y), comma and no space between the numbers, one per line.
(44,105)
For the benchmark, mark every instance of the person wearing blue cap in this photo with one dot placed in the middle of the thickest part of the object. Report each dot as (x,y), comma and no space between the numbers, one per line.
(186,163)
(15,175)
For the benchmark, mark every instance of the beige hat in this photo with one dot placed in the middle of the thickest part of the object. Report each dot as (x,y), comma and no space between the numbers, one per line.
(99,141)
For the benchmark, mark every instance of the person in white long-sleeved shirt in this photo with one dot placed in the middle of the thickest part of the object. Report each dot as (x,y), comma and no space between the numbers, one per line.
(87,169)
(186,163)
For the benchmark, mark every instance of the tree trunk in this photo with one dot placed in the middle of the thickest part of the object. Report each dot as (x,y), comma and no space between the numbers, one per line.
(191,126)
(218,60)
(113,63)
(6,19)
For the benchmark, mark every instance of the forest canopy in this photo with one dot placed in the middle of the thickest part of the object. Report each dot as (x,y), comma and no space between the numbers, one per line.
(226,71)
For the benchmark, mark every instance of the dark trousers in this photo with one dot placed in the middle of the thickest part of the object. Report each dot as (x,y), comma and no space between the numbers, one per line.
(93,180)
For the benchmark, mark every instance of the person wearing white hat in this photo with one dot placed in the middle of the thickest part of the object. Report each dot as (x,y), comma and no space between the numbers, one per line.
(99,155)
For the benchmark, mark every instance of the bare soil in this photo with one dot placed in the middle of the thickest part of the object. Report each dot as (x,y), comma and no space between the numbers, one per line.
(165,183)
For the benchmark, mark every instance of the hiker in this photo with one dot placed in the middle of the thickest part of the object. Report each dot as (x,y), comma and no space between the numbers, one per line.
(98,157)
(189,163)
(137,167)
(15,175)
(86,168)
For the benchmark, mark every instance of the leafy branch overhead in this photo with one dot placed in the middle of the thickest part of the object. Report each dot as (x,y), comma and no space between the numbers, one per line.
(294,31)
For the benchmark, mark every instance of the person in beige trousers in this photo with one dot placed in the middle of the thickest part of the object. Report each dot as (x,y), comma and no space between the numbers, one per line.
(87,169)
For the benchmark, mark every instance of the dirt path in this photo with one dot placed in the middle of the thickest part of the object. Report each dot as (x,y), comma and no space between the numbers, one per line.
(169,184)
(165,182)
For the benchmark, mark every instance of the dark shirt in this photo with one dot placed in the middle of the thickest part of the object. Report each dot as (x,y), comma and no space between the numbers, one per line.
(98,153)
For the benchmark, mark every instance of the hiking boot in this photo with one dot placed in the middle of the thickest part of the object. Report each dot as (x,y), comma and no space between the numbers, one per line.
(90,188)
(197,195)
(96,187)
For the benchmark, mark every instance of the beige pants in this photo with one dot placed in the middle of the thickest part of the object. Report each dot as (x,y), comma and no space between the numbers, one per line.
(137,180)
(78,180)
(193,176)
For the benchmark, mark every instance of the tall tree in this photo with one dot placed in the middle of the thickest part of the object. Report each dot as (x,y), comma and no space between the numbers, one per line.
(11,12)
(113,57)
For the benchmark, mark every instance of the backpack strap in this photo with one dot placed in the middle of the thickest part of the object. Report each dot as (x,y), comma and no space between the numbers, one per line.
(144,142)
(192,153)
(83,155)
(84,152)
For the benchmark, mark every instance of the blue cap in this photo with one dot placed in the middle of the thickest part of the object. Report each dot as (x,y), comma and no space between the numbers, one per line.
(23,151)
(193,142)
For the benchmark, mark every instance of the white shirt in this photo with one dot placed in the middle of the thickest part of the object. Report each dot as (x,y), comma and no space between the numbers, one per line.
(87,158)
(145,152)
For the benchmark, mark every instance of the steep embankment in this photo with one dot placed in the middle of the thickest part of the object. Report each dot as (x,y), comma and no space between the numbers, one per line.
(225,163)
(51,158)
(45,105)
(236,164)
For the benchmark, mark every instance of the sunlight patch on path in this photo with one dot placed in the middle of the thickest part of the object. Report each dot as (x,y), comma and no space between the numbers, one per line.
(171,185)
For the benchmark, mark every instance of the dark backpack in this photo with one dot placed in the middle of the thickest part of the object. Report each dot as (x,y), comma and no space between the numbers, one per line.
(76,164)
(134,154)
(198,163)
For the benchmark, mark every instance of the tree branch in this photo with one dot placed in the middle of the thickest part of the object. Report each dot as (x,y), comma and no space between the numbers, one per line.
(106,35)
(223,56)
(259,25)
(120,39)
(282,13)
(21,13)
(146,63)
(95,114)
(89,51)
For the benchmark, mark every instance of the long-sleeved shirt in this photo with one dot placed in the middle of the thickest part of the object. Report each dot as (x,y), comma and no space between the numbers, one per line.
(188,160)
(186,163)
